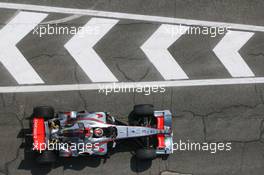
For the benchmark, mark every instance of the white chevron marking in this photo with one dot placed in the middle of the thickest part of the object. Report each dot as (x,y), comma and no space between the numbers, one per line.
(227,51)
(156,49)
(81,49)
(10,56)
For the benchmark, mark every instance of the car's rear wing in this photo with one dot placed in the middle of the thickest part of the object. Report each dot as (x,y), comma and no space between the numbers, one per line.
(39,136)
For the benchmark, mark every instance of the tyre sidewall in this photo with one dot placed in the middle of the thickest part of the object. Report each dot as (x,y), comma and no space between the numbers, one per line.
(45,112)
(146,154)
(144,110)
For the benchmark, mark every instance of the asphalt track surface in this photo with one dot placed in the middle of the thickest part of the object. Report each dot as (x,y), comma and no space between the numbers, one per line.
(223,113)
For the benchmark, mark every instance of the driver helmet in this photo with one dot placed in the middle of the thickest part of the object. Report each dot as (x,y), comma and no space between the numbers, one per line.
(98,132)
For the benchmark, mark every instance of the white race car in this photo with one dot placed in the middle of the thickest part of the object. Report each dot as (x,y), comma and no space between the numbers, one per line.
(71,134)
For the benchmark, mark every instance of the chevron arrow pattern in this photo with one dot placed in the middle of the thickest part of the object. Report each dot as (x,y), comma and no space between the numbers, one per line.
(81,49)
(156,49)
(10,56)
(227,52)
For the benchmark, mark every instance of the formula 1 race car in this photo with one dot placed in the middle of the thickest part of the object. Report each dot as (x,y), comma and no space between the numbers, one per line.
(71,134)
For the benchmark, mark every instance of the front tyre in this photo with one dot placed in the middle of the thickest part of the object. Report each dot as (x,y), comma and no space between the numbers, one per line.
(146,154)
(141,115)
(144,110)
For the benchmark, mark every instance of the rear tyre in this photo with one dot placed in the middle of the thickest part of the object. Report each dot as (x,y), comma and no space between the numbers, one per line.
(143,110)
(47,157)
(46,112)
(146,154)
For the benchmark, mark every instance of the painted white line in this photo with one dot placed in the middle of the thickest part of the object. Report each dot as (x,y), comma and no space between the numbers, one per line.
(81,49)
(156,49)
(97,86)
(10,56)
(62,20)
(227,51)
(129,16)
